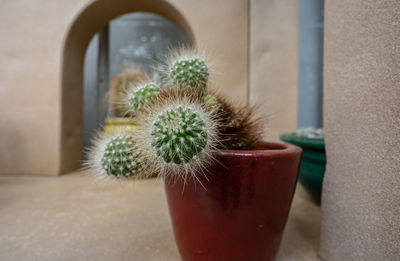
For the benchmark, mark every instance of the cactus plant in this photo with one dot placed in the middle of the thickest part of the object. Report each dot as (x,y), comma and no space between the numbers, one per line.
(179,125)
(137,95)
(188,69)
(177,132)
(116,156)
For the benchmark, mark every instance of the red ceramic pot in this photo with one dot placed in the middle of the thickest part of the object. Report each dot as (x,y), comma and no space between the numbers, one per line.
(240,210)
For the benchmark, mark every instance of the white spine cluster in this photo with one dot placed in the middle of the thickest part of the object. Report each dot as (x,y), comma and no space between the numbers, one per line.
(178,135)
(188,68)
(138,95)
(116,156)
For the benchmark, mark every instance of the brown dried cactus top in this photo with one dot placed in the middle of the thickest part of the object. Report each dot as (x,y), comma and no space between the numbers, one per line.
(238,128)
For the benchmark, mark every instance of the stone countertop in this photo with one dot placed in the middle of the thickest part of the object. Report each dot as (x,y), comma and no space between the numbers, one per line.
(71,217)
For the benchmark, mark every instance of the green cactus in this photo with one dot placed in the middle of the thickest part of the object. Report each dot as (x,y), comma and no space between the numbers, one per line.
(139,95)
(180,125)
(212,102)
(192,72)
(120,159)
(179,134)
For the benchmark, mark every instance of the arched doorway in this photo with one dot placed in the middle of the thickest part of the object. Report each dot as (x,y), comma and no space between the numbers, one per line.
(131,45)
(87,23)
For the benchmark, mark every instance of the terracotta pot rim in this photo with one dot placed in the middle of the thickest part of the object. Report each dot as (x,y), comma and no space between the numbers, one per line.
(268,149)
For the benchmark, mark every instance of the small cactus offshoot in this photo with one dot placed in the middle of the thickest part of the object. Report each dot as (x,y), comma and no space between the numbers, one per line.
(212,102)
(190,72)
(188,69)
(117,156)
(138,95)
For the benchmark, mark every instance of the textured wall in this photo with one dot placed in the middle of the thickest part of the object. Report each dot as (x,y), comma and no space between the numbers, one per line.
(274,63)
(361,200)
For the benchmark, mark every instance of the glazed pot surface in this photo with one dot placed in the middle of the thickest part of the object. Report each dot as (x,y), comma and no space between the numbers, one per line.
(239,209)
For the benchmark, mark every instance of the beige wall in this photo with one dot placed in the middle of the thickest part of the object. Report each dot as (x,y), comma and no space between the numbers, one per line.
(361,200)
(30,88)
(274,63)
(44,42)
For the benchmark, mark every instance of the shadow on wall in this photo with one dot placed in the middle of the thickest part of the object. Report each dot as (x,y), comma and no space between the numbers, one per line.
(84,27)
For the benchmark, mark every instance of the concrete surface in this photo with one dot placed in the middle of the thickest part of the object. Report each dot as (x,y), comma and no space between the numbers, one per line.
(72,218)
(274,28)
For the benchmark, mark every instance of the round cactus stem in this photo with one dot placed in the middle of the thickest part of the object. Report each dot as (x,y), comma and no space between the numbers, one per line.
(190,73)
(120,159)
(139,95)
(179,134)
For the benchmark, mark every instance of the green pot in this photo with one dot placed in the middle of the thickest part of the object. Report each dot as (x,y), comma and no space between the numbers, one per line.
(313,162)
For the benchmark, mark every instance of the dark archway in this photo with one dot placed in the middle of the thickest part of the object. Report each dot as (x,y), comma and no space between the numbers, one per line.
(85,25)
